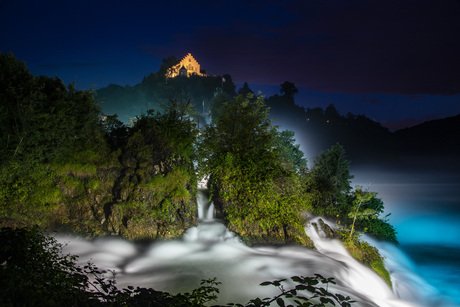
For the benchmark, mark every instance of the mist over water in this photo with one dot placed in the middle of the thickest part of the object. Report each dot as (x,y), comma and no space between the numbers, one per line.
(424,202)
(424,206)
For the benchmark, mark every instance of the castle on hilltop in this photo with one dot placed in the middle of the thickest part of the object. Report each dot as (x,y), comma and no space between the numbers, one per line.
(187,66)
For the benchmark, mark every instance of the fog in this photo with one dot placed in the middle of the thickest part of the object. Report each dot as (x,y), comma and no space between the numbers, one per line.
(424,202)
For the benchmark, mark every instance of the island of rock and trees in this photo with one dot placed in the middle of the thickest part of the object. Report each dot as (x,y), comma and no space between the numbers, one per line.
(126,161)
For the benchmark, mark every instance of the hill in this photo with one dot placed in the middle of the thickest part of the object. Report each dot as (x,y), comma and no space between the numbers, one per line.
(435,137)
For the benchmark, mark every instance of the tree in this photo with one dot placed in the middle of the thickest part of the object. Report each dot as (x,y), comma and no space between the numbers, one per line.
(41,118)
(365,212)
(159,178)
(116,131)
(216,106)
(288,89)
(331,113)
(358,211)
(34,271)
(241,153)
(170,134)
(243,130)
(291,153)
(167,64)
(228,87)
(42,123)
(245,90)
(329,182)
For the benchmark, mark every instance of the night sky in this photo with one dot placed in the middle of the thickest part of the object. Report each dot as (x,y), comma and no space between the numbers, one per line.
(397,62)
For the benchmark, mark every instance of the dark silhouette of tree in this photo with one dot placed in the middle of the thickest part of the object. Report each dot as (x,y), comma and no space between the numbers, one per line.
(40,118)
(245,90)
(167,64)
(288,90)
(228,86)
(331,112)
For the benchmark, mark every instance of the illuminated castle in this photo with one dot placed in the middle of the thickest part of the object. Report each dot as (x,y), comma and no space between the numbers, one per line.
(187,66)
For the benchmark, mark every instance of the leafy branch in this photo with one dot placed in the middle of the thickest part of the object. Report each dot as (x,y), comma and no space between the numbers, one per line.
(321,296)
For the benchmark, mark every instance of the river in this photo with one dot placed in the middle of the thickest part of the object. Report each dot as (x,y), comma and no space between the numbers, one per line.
(425,209)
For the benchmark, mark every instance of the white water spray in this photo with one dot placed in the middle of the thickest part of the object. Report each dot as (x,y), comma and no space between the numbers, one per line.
(211,250)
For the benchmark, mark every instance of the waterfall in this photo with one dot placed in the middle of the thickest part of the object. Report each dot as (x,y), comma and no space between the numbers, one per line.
(208,229)
(206,210)
(356,274)
(211,250)
(407,284)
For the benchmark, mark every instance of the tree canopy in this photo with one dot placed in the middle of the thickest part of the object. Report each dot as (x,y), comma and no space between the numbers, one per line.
(40,118)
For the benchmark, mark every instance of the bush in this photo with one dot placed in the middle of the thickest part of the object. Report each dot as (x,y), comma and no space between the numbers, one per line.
(33,271)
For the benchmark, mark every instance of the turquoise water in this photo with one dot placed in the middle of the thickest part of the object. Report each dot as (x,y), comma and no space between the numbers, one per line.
(425,209)
(439,265)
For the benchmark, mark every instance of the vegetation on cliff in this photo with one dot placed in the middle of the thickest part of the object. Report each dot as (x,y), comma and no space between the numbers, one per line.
(65,166)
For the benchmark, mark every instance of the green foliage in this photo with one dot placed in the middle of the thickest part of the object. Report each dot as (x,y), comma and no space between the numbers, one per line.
(329,182)
(26,193)
(243,135)
(168,136)
(33,271)
(380,229)
(158,182)
(216,107)
(358,211)
(244,130)
(115,131)
(329,191)
(300,293)
(290,152)
(258,193)
(41,118)
(44,126)
(365,215)
(365,253)
(165,196)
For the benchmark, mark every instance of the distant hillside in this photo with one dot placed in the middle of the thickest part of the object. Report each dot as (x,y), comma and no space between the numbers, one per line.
(155,90)
(365,140)
(436,137)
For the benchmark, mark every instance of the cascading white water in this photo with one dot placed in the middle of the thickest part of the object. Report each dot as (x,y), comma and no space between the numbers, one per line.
(406,282)
(211,250)
(205,207)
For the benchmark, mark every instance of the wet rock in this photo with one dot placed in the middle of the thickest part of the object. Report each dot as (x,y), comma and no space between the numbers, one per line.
(324,230)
